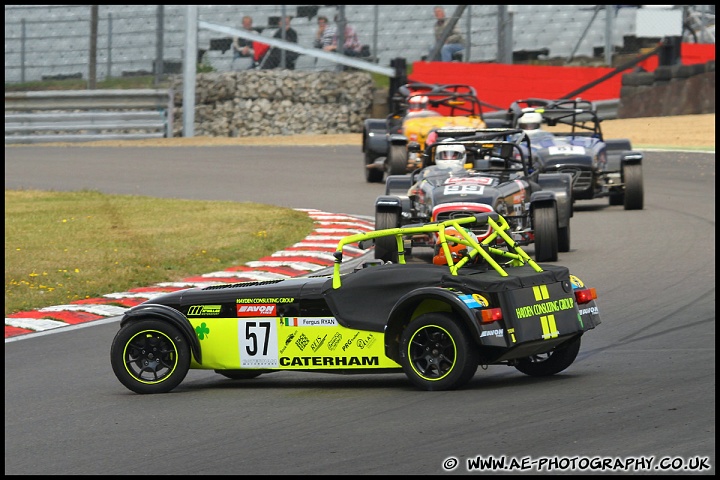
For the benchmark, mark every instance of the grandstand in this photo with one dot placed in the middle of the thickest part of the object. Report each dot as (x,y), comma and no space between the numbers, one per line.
(52,41)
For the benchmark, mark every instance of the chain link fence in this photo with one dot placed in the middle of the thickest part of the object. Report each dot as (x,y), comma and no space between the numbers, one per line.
(102,42)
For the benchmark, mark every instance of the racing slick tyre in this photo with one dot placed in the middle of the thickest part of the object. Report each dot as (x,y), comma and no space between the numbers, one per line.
(397,160)
(545,364)
(372,175)
(564,238)
(632,176)
(437,352)
(150,356)
(545,225)
(239,374)
(385,247)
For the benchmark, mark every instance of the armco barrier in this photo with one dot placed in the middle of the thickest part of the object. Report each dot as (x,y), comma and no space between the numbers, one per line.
(86,115)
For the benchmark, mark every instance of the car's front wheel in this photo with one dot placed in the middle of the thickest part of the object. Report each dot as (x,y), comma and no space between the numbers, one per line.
(550,363)
(437,352)
(386,247)
(150,356)
(545,226)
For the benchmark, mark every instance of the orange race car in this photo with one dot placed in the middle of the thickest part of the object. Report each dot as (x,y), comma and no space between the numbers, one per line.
(419,109)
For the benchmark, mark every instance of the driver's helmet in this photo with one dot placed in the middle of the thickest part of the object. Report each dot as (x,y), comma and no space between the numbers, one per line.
(418,102)
(448,156)
(457,250)
(530,121)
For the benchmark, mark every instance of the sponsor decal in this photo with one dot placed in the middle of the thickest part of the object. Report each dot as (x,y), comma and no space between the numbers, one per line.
(492,333)
(474,301)
(310,322)
(288,340)
(469,181)
(545,308)
(576,282)
(302,342)
(329,361)
(366,342)
(590,311)
(347,344)
(202,331)
(259,310)
(208,310)
(334,341)
(266,300)
(319,341)
(481,300)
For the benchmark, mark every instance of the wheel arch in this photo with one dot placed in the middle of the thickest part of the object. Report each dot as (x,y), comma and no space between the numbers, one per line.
(421,301)
(169,315)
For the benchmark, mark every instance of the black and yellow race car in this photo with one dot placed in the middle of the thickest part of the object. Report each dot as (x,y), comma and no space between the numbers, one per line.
(436,322)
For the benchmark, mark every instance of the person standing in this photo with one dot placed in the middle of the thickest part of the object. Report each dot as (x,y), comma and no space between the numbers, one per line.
(454,42)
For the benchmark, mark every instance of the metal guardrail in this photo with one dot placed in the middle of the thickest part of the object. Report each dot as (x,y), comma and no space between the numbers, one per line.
(87,115)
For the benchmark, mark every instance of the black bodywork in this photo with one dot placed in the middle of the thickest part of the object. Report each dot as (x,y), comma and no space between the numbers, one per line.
(435,323)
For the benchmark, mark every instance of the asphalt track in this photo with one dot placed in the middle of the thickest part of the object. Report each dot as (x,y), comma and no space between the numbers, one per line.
(642,388)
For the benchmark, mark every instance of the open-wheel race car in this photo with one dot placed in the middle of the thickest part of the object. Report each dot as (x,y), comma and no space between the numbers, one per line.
(492,173)
(418,109)
(575,144)
(435,322)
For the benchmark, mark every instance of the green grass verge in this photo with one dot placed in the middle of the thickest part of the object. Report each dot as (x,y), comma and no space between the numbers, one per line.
(66,246)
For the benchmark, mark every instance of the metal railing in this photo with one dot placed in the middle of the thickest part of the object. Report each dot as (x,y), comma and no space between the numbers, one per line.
(87,115)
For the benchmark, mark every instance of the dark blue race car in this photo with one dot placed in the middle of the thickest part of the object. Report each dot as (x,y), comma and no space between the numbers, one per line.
(566,137)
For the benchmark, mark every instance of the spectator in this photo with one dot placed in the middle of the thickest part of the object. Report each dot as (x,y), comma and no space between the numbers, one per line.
(241,47)
(351,46)
(274,56)
(454,42)
(324,34)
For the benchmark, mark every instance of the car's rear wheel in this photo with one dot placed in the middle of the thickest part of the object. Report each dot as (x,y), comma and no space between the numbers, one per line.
(632,175)
(372,174)
(397,160)
(437,352)
(150,356)
(545,226)
(239,374)
(550,363)
(386,247)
